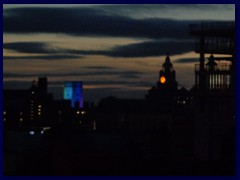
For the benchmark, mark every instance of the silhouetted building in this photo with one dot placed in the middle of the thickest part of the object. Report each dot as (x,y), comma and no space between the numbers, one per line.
(38,103)
(183,96)
(28,107)
(165,91)
(215,38)
(14,105)
(167,77)
(73,91)
(217,76)
(42,86)
(214,92)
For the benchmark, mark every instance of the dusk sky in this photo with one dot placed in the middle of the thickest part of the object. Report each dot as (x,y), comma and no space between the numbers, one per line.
(115,50)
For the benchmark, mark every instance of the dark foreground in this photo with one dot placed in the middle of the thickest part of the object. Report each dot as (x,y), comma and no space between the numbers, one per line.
(94,153)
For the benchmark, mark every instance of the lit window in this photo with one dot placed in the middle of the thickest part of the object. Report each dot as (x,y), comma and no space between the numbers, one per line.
(39,106)
(4,119)
(21,119)
(4,112)
(32,92)
(31,132)
(83,112)
(46,128)
(39,113)
(78,112)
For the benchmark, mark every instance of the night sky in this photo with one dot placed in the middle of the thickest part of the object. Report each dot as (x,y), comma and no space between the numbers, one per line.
(114,49)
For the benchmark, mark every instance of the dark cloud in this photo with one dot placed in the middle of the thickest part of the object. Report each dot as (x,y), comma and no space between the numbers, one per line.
(140,8)
(42,57)
(175,11)
(89,22)
(130,76)
(93,82)
(63,74)
(152,48)
(99,67)
(143,49)
(187,60)
(124,75)
(98,21)
(16,84)
(50,52)
(29,47)
(110,73)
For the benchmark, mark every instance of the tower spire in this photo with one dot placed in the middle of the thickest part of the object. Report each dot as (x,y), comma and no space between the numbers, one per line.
(167,65)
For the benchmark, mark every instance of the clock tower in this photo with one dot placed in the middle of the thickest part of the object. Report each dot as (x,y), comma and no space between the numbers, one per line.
(166,88)
(167,76)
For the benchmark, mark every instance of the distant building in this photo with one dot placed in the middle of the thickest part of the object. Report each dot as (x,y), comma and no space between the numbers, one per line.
(27,107)
(73,91)
(42,85)
(14,105)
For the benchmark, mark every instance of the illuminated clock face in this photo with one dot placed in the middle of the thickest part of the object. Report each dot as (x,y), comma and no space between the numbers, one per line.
(162,79)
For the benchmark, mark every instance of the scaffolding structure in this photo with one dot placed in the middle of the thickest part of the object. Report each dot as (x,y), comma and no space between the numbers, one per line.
(215,38)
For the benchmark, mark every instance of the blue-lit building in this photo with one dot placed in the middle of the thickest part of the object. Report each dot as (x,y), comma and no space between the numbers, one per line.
(73,91)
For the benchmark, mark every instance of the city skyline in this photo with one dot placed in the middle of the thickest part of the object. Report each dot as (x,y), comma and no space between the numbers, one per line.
(114,49)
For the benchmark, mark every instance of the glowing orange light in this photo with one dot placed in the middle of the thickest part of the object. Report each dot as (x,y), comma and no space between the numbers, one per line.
(162,79)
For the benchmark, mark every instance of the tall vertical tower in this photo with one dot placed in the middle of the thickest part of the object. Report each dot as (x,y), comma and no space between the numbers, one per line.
(166,85)
(214,92)
(42,86)
(77,99)
(167,76)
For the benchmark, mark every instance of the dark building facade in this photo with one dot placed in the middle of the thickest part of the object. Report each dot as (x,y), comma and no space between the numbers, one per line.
(214,92)
(166,87)
(28,107)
